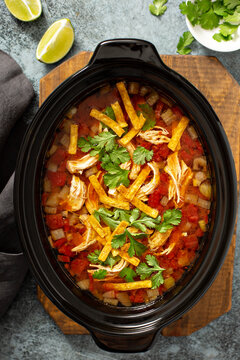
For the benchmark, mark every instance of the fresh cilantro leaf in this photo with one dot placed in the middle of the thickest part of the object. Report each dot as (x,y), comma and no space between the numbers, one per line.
(204,5)
(135,246)
(128,273)
(219,37)
(183,45)
(109,112)
(84,144)
(234,18)
(146,221)
(141,155)
(106,217)
(149,115)
(119,240)
(227,29)
(93,257)
(191,11)
(145,271)
(134,215)
(157,280)
(100,274)
(119,155)
(104,139)
(111,260)
(209,20)
(171,217)
(115,176)
(122,215)
(158,8)
(219,8)
(231,4)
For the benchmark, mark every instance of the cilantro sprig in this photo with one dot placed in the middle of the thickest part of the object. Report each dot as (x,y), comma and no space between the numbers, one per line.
(104,140)
(149,114)
(171,217)
(115,175)
(183,45)
(141,155)
(99,274)
(135,248)
(128,274)
(110,261)
(145,271)
(157,7)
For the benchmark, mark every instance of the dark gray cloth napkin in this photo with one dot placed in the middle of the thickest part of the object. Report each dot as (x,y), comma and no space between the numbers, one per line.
(16,92)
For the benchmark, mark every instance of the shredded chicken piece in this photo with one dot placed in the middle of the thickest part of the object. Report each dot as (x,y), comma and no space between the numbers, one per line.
(158,239)
(81,164)
(135,170)
(153,183)
(180,174)
(156,136)
(89,238)
(168,250)
(77,195)
(116,268)
(126,165)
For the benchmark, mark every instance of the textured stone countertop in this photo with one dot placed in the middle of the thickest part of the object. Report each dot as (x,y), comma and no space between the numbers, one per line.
(26,331)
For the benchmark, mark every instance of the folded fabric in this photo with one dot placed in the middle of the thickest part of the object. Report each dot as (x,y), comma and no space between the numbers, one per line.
(16,93)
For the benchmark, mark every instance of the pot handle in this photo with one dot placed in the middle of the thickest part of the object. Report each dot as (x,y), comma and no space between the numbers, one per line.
(124,343)
(128,49)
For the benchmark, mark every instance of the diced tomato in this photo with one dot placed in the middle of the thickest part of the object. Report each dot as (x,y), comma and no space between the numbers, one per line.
(147,145)
(158,109)
(186,157)
(58,156)
(64,258)
(78,265)
(91,285)
(62,166)
(164,177)
(58,243)
(54,221)
(66,225)
(160,152)
(187,140)
(67,266)
(139,296)
(191,212)
(191,242)
(44,198)
(199,232)
(177,111)
(83,129)
(66,250)
(57,178)
(76,239)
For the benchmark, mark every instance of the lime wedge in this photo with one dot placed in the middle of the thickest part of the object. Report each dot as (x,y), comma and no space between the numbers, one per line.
(25,10)
(56,42)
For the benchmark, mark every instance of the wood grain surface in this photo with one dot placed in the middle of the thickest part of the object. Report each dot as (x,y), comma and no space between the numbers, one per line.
(223,93)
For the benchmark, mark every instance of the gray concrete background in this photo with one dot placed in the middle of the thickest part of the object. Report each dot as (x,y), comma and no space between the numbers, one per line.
(26,331)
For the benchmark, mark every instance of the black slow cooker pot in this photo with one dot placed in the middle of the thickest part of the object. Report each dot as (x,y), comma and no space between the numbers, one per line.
(117,328)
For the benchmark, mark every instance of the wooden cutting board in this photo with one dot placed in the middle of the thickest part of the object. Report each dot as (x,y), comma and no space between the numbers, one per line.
(223,93)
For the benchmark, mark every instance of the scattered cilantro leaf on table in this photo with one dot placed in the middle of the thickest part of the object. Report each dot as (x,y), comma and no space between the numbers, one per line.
(115,176)
(145,270)
(99,274)
(157,7)
(171,217)
(183,45)
(128,274)
(149,115)
(141,155)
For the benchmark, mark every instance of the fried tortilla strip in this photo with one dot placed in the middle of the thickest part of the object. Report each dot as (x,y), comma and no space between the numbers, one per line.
(174,126)
(119,114)
(128,105)
(103,196)
(133,132)
(135,186)
(139,204)
(108,246)
(123,253)
(72,149)
(96,226)
(107,121)
(129,286)
(183,123)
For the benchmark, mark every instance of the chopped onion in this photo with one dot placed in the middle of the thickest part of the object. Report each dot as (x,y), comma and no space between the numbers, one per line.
(166,101)
(52,149)
(152,294)
(105,89)
(67,125)
(65,213)
(124,299)
(72,111)
(144,90)
(84,284)
(133,88)
(200,176)
(187,226)
(52,200)
(168,116)
(205,204)
(109,294)
(191,199)
(206,189)
(92,171)
(46,185)
(64,192)
(52,167)
(110,301)
(192,132)
(164,201)
(73,219)
(152,98)
(50,210)
(169,271)
(57,234)
(95,127)
(200,163)
(169,282)
(50,241)
(65,140)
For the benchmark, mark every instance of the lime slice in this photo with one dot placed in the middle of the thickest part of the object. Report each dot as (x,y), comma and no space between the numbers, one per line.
(56,42)
(25,10)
